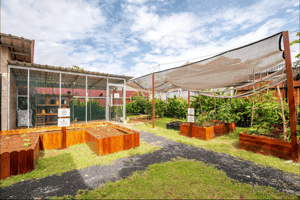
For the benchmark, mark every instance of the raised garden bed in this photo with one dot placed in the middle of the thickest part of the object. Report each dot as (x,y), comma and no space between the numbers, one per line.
(109,139)
(15,157)
(266,145)
(206,133)
(18,159)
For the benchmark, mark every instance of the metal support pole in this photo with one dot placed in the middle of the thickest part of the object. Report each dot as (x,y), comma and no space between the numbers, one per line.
(8,100)
(86,99)
(153,103)
(106,102)
(124,102)
(90,105)
(59,90)
(291,96)
(28,71)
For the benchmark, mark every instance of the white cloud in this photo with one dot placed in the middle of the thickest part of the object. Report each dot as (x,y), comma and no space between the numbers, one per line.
(136,1)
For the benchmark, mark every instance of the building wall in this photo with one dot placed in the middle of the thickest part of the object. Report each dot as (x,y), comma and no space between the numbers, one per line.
(4,56)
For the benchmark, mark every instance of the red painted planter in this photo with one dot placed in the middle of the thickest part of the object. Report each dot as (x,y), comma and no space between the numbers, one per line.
(206,133)
(266,146)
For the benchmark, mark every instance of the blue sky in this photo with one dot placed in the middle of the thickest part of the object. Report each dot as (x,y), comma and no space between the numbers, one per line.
(132,37)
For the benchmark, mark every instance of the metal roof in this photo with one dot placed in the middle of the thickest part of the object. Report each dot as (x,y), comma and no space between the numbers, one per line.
(21,49)
(64,69)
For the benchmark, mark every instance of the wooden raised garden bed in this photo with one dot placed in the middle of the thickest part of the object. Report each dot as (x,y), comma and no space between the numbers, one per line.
(109,139)
(266,145)
(206,133)
(15,157)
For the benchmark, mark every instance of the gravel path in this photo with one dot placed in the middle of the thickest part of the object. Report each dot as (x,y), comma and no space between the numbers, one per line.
(70,182)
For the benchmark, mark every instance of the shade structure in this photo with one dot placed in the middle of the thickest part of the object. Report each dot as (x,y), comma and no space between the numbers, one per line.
(230,68)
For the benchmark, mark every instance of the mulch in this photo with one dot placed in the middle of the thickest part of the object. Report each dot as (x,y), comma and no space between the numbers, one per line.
(94,176)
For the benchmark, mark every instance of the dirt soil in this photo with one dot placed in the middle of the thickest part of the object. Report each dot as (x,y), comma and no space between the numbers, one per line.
(10,143)
(274,133)
(139,120)
(104,131)
(208,124)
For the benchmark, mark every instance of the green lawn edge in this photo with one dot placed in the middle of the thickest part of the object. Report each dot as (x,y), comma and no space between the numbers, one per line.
(227,144)
(74,157)
(179,179)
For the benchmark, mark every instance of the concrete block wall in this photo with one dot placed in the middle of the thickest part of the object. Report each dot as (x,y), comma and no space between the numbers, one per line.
(4,56)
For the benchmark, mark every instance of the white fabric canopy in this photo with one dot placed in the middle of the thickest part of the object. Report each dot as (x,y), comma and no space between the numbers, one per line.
(230,68)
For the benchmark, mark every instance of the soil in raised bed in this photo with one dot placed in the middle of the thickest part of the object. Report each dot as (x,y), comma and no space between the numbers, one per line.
(10,143)
(102,131)
(139,121)
(208,124)
(274,133)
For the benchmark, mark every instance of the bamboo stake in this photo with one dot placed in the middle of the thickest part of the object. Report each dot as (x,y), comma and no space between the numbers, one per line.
(283,117)
(215,104)
(200,103)
(253,99)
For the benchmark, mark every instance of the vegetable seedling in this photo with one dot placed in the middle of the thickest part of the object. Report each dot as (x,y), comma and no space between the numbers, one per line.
(26,140)
(27,144)
(23,135)
(108,130)
(7,138)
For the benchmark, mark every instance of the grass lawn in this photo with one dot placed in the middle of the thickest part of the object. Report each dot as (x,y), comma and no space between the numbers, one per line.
(227,144)
(74,157)
(179,179)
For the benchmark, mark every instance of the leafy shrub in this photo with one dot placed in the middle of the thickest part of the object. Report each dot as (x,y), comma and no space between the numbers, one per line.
(160,107)
(137,104)
(98,112)
(177,107)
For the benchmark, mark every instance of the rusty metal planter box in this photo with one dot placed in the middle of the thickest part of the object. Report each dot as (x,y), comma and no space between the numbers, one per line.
(266,146)
(19,162)
(206,133)
(113,144)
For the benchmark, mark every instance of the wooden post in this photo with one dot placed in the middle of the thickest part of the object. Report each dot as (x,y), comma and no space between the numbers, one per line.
(282,112)
(253,99)
(291,96)
(153,103)
(64,136)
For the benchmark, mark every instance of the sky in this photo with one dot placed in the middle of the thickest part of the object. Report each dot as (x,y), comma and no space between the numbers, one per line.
(132,37)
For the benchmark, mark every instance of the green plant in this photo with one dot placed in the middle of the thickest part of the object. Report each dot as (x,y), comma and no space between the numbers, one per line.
(177,107)
(26,140)
(7,138)
(27,144)
(108,130)
(160,107)
(137,104)
(205,119)
(23,135)
(226,115)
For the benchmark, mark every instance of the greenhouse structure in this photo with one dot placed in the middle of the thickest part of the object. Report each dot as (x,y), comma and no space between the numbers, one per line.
(31,94)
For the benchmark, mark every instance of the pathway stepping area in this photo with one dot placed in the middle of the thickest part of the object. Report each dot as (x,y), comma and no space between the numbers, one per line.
(94,176)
